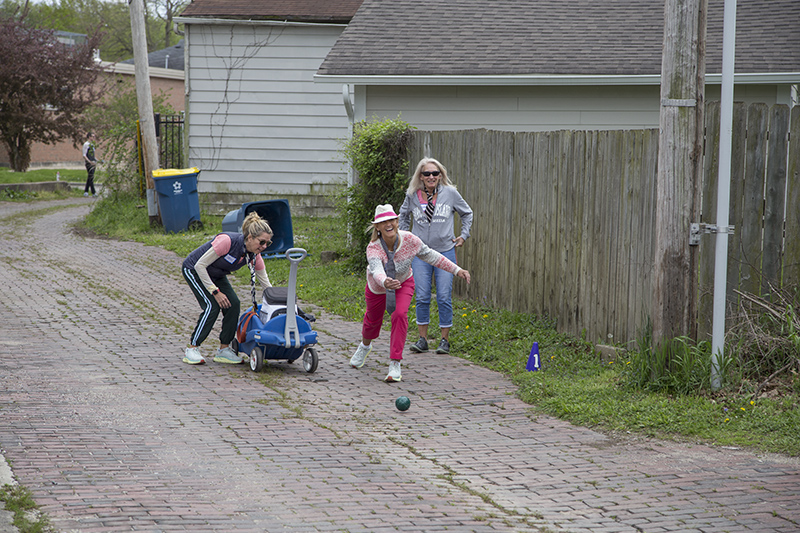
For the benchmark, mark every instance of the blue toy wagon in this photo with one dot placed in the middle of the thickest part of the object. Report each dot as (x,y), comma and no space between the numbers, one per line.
(276,329)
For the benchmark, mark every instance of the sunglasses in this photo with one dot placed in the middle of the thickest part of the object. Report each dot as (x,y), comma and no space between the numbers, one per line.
(431,173)
(264,243)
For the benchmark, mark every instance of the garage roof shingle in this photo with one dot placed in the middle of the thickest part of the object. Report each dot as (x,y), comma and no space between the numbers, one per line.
(549,37)
(339,11)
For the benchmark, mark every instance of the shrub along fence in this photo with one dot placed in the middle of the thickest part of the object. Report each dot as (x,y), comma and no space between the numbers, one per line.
(565,220)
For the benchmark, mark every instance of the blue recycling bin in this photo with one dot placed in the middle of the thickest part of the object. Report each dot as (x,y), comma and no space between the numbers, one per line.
(178,202)
(276,213)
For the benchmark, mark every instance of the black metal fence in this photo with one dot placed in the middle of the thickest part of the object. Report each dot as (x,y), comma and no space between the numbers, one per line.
(169,135)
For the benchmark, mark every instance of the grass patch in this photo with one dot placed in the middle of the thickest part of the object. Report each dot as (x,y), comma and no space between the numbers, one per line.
(8,176)
(574,383)
(19,501)
(41,174)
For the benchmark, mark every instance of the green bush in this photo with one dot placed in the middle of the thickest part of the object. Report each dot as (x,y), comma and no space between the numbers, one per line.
(378,152)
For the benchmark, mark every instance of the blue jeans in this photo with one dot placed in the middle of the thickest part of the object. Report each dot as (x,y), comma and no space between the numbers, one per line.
(424,275)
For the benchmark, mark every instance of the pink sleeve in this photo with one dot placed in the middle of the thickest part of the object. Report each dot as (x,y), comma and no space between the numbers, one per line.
(222,245)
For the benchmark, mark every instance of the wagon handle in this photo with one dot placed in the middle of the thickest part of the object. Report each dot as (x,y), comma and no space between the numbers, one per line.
(294,255)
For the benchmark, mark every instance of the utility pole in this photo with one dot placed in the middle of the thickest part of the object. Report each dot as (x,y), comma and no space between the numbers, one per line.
(680,164)
(145,100)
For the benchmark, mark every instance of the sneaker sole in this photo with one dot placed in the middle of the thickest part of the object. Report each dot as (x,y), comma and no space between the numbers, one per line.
(227,361)
(188,361)
(442,351)
(414,349)
(390,379)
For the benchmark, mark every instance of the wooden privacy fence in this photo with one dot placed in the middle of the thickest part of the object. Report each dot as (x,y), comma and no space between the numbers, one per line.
(564,220)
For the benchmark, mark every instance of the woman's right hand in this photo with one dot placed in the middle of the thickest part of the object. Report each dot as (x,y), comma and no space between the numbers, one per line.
(391,284)
(464,274)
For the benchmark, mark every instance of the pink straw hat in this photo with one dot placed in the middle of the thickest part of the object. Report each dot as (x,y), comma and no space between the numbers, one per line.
(383,213)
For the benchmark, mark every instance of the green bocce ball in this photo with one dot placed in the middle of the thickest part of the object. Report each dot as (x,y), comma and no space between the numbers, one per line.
(402,403)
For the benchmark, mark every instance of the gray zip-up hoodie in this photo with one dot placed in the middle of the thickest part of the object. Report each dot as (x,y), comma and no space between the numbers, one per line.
(438,233)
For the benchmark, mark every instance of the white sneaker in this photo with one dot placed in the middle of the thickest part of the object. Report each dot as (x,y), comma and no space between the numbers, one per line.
(193,357)
(86,194)
(360,357)
(394,372)
(227,355)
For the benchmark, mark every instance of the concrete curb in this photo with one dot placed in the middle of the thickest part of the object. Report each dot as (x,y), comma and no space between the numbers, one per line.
(38,186)
(6,478)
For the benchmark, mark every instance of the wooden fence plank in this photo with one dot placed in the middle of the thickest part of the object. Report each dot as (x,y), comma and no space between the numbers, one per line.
(588,223)
(708,214)
(633,241)
(791,253)
(600,279)
(775,193)
(735,217)
(575,171)
(753,199)
(567,231)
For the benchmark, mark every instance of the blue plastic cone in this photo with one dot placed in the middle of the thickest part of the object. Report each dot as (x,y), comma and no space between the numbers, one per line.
(533,361)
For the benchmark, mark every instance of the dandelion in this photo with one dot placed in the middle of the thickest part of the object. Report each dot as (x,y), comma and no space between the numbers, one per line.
(485,316)
(727,420)
(752,402)
(465,314)
(467,326)
(611,362)
(627,362)
(743,409)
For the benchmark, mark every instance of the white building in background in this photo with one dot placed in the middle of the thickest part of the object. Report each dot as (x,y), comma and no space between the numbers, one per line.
(258,126)
(531,65)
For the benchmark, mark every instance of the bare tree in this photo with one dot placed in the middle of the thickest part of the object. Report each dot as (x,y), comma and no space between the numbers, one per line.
(166,10)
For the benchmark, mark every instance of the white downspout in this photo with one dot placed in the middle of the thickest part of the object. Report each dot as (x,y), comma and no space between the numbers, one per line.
(724,191)
(350,108)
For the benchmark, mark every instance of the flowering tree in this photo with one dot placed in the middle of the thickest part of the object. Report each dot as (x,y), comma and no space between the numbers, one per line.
(45,86)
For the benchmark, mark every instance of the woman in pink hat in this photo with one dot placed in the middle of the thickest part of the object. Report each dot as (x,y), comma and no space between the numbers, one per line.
(390,285)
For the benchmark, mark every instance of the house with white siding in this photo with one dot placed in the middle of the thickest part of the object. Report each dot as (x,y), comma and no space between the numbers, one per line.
(545,65)
(258,126)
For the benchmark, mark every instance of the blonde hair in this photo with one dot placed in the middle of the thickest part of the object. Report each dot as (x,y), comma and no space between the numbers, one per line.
(415,183)
(254,225)
(376,234)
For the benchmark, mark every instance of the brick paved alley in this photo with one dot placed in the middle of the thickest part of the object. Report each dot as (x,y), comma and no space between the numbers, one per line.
(106,426)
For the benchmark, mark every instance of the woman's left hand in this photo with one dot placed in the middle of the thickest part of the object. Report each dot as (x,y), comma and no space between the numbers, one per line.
(464,274)
(222,300)
(459,241)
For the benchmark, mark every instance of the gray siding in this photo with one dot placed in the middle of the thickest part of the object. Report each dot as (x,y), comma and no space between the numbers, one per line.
(547,108)
(257,121)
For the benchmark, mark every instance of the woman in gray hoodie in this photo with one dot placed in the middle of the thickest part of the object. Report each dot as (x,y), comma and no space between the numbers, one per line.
(431,202)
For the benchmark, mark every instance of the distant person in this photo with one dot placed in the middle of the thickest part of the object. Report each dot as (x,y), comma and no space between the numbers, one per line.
(390,285)
(89,157)
(431,202)
(206,271)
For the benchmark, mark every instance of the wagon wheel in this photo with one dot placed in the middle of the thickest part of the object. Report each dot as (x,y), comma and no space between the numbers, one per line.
(310,360)
(257,359)
(195,225)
